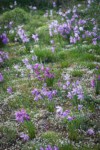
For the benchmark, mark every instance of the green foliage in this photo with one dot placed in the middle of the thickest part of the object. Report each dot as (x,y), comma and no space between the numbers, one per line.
(30,128)
(50,82)
(8,134)
(43,32)
(65,64)
(50,105)
(17,15)
(50,136)
(73,125)
(67,147)
(89,102)
(97,88)
(45,55)
(91,65)
(36,25)
(77,73)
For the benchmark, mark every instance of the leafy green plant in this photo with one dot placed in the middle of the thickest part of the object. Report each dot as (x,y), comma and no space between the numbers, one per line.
(30,128)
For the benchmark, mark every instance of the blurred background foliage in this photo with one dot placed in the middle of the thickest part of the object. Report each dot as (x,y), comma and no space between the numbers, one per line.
(40,3)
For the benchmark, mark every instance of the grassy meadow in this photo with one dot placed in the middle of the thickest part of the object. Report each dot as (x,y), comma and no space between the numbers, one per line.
(50,77)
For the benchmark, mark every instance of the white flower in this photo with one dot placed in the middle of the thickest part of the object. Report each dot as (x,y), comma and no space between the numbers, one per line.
(59,110)
(81,28)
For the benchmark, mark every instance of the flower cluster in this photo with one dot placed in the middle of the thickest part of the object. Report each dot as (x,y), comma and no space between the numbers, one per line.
(21,116)
(49,147)
(63,114)
(74,29)
(42,72)
(43,93)
(3,57)
(76,90)
(73,89)
(22,35)
(3,39)
(94,81)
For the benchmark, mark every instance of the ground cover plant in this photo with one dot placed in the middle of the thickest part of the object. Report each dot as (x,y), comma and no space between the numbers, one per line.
(49,75)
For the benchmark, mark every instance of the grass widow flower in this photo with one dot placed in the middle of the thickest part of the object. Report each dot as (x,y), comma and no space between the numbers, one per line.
(9,90)
(1,77)
(24,136)
(21,115)
(90,131)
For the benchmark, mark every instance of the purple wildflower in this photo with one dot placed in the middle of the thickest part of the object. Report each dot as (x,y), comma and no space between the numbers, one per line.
(25,61)
(93,83)
(35,92)
(53,49)
(68,83)
(3,38)
(94,41)
(80,107)
(21,115)
(90,131)
(35,37)
(70,96)
(22,35)
(66,113)
(9,90)
(64,87)
(34,58)
(1,77)
(24,136)
(70,118)
(99,77)
(49,147)
(54,4)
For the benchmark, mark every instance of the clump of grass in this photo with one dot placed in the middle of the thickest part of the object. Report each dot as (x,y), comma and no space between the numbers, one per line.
(8,134)
(51,136)
(17,15)
(90,65)
(89,102)
(87,57)
(35,24)
(45,55)
(65,64)
(77,73)
(73,127)
(50,105)
(12,61)
(67,146)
